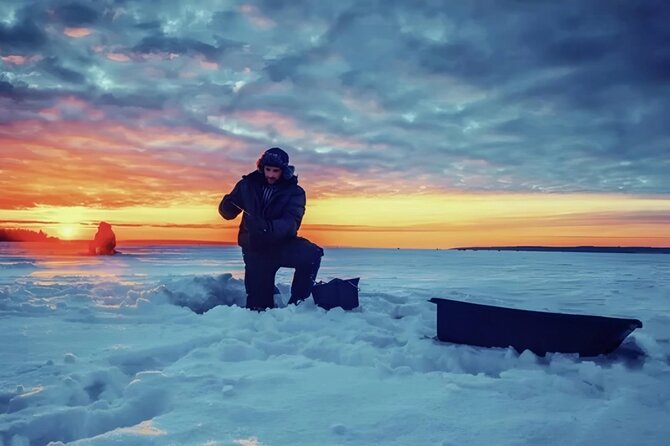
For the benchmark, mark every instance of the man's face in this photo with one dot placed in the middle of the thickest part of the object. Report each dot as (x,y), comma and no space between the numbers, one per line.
(272,174)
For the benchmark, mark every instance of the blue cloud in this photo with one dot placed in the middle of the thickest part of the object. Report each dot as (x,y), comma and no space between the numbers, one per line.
(160,43)
(24,35)
(516,96)
(76,14)
(53,66)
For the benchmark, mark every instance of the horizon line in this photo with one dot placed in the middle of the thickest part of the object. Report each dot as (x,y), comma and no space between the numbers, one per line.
(234,243)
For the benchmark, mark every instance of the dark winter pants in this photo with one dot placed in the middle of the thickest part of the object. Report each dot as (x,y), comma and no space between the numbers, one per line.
(260,268)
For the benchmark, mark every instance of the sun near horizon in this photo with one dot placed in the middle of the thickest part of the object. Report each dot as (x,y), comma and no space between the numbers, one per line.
(68,232)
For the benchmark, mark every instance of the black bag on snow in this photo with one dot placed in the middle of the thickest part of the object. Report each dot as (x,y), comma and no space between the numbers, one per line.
(336,293)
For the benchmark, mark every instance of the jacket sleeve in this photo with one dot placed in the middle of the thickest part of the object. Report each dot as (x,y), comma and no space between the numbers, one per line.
(227,207)
(287,225)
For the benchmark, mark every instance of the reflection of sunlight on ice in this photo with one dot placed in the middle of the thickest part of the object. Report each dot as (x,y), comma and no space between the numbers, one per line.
(72,273)
(53,263)
(66,276)
(251,441)
(80,268)
(145,429)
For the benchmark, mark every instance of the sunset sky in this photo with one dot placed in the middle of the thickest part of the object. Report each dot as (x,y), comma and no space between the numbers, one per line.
(427,124)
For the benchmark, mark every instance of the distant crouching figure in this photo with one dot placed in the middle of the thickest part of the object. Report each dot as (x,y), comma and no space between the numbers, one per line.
(104,241)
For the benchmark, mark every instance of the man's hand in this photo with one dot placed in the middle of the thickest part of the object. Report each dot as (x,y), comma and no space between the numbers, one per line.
(256,225)
(259,232)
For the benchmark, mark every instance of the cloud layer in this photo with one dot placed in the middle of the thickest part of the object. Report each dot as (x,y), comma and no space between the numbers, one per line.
(121,103)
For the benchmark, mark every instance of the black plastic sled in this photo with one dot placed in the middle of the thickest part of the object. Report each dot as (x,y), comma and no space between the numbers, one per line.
(537,331)
(336,293)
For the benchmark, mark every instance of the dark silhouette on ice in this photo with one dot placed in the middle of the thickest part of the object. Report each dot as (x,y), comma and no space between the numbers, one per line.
(538,331)
(336,293)
(104,242)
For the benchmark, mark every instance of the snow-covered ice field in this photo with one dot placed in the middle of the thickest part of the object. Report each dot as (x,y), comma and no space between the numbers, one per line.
(108,351)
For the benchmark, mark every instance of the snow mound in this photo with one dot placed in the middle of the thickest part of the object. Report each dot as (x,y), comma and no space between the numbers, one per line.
(81,407)
(202,293)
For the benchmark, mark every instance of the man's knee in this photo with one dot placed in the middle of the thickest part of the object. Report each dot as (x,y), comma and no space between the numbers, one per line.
(309,250)
(310,255)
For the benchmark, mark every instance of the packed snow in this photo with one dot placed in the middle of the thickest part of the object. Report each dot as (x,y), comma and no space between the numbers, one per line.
(153,347)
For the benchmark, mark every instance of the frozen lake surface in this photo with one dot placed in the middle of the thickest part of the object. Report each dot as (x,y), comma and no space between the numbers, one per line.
(106,350)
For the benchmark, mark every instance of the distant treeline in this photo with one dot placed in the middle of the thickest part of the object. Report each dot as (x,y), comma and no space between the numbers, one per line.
(25,235)
(613,249)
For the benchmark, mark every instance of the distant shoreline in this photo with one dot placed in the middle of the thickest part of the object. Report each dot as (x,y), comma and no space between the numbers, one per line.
(55,241)
(603,249)
(593,249)
(173,242)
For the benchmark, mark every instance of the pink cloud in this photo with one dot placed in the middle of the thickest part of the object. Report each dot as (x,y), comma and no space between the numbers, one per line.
(77,32)
(118,57)
(70,106)
(207,65)
(255,17)
(16,59)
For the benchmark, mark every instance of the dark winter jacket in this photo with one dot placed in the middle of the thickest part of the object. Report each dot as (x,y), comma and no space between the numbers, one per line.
(282,214)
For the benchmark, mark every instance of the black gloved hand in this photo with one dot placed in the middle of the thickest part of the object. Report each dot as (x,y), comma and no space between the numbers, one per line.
(260,236)
(256,225)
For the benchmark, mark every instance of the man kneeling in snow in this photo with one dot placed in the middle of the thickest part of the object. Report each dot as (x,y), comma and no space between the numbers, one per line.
(273,205)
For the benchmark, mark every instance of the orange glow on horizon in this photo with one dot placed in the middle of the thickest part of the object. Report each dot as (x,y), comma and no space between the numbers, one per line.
(432,221)
(64,176)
